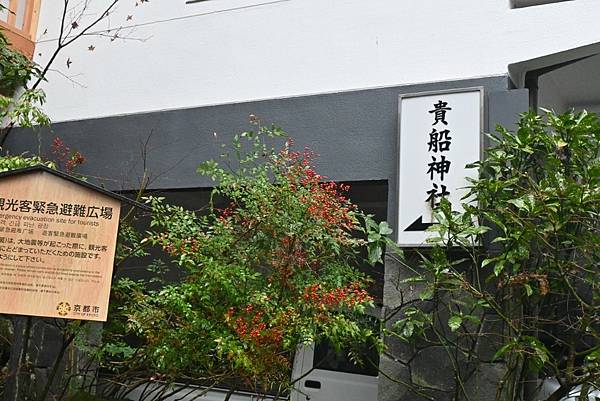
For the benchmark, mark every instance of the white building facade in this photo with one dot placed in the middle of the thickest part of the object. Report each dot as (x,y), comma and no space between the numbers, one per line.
(176,54)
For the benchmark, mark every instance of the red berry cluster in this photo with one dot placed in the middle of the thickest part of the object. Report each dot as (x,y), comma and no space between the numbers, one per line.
(251,324)
(350,296)
(228,211)
(326,202)
(65,156)
(174,248)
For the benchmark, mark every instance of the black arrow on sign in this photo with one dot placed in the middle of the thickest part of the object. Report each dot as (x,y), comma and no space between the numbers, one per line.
(418,225)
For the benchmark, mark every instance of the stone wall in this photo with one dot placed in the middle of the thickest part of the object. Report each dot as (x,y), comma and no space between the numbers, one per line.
(453,366)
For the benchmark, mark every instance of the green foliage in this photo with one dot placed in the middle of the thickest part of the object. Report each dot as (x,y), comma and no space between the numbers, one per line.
(129,243)
(23,107)
(378,236)
(531,260)
(15,162)
(15,69)
(273,270)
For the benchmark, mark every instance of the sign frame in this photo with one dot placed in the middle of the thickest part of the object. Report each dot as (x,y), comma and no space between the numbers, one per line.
(480,137)
(52,277)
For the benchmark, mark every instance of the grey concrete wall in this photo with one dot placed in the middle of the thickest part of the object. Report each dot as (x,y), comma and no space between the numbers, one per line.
(354,132)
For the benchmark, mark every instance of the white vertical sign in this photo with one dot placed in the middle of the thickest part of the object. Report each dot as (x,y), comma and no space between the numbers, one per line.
(439,134)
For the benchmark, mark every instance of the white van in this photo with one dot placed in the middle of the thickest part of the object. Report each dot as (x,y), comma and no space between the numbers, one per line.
(319,374)
(323,375)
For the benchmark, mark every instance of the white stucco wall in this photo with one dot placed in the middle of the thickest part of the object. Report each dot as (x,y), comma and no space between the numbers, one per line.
(225,51)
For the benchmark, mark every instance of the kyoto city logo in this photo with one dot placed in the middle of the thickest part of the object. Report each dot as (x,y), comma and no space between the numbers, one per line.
(63,308)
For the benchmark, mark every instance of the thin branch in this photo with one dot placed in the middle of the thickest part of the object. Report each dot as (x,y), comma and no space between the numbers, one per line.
(69,77)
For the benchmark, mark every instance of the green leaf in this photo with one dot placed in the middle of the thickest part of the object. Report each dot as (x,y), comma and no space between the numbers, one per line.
(384,228)
(426,294)
(373,237)
(374,254)
(487,262)
(454,322)
(472,318)
(519,203)
(393,247)
(499,267)
(408,329)
(593,356)
(503,350)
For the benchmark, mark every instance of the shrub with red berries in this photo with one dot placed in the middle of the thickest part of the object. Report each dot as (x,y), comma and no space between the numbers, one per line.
(275,269)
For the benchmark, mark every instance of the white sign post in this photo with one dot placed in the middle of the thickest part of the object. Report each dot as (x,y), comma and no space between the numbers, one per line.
(439,134)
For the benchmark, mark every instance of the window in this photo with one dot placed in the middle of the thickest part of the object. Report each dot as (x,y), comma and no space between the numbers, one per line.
(528,3)
(326,358)
(18,22)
